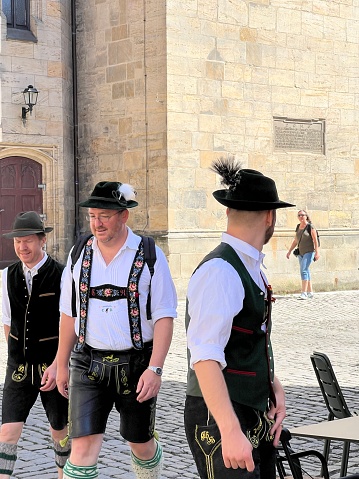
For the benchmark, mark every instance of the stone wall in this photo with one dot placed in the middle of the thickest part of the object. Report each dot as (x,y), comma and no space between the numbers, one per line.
(164,88)
(233,67)
(46,137)
(122,102)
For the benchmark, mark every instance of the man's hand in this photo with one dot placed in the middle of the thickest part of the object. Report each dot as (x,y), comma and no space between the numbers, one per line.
(48,382)
(237,450)
(148,385)
(277,413)
(62,381)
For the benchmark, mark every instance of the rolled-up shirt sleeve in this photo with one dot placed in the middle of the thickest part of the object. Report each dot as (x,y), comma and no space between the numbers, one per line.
(163,292)
(6,311)
(66,289)
(215,296)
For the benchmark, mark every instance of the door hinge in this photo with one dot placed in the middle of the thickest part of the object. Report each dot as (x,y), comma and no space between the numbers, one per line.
(42,186)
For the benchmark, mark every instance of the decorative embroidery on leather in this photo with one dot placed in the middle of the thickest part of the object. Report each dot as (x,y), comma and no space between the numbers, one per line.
(260,431)
(133,305)
(108,292)
(124,381)
(110,359)
(93,376)
(208,440)
(85,277)
(20,373)
(41,369)
(205,436)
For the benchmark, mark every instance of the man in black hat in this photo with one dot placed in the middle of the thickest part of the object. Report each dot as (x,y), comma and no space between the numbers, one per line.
(235,405)
(117,346)
(30,307)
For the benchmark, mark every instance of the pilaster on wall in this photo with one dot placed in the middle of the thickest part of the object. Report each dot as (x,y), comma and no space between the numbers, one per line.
(122,103)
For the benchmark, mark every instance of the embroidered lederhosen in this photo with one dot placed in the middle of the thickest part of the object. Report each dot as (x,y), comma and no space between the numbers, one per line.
(109,292)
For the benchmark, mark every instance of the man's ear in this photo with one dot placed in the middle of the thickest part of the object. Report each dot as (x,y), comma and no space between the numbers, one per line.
(124,215)
(271,217)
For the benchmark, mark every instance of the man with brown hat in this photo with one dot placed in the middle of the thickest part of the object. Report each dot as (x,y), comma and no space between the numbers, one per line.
(116,344)
(235,405)
(30,307)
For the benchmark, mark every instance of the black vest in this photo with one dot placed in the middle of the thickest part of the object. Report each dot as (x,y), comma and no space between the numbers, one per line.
(249,373)
(34,330)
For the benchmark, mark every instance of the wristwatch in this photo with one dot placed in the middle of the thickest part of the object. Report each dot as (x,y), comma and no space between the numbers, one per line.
(156,369)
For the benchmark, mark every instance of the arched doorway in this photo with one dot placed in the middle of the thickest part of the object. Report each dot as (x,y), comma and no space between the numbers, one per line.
(20,190)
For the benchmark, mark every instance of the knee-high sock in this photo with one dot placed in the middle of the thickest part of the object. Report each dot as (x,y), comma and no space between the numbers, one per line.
(151,468)
(62,453)
(7,457)
(70,471)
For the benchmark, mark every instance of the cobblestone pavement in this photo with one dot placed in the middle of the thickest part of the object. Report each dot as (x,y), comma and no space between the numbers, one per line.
(327,323)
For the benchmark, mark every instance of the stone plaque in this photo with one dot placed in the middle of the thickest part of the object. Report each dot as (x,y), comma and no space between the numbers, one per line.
(299,135)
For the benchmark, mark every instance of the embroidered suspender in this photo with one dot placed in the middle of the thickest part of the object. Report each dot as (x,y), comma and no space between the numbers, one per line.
(85,277)
(132,295)
(132,300)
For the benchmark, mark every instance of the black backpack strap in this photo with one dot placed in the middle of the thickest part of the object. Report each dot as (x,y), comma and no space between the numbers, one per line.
(149,248)
(75,254)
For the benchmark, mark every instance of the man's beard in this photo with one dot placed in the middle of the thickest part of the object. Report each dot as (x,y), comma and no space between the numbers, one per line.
(270,230)
(268,234)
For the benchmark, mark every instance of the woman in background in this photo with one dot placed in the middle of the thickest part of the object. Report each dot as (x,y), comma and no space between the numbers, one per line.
(307,242)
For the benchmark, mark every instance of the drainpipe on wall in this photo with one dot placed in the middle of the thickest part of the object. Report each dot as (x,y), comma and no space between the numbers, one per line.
(75,118)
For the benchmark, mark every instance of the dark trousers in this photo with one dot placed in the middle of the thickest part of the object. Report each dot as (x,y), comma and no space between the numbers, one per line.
(204,440)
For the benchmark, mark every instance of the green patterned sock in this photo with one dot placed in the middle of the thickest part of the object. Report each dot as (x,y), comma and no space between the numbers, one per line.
(79,472)
(7,458)
(151,468)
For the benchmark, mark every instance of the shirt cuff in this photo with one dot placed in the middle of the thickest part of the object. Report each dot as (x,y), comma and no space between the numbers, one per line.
(164,313)
(207,352)
(6,321)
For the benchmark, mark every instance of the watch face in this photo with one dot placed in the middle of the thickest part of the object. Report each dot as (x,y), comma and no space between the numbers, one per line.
(159,371)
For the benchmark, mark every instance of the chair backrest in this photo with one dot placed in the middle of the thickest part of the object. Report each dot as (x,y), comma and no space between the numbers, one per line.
(329,387)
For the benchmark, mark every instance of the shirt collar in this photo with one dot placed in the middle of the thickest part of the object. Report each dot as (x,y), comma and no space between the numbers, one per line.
(244,248)
(35,268)
(132,242)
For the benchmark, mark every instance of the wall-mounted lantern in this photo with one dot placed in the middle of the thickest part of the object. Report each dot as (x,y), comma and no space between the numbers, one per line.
(30,99)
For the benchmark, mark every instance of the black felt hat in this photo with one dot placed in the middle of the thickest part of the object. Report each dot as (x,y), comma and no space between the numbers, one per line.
(111,195)
(247,190)
(27,223)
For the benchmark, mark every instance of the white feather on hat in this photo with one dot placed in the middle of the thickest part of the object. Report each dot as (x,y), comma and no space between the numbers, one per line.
(126,191)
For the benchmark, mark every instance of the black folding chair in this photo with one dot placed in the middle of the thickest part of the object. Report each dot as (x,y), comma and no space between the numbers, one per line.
(287,459)
(334,400)
(286,456)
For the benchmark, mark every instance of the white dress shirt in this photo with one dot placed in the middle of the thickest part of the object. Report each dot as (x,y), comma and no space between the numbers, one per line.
(215,296)
(108,322)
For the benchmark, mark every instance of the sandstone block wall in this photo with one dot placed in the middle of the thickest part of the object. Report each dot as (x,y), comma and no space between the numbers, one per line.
(122,102)
(234,66)
(47,135)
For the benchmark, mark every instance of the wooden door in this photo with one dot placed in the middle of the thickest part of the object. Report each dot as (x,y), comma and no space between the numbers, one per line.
(19,191)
